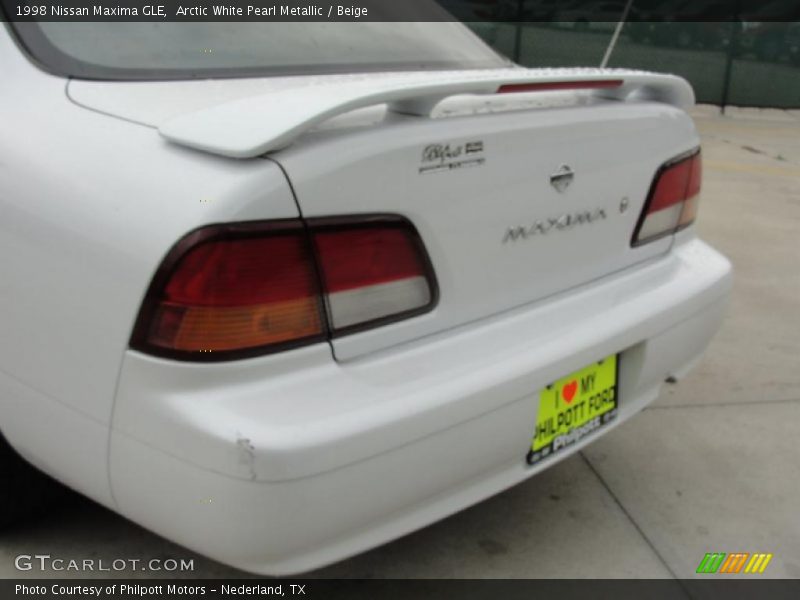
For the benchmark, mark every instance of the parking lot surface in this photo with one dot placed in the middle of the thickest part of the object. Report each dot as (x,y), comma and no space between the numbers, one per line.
(712,466)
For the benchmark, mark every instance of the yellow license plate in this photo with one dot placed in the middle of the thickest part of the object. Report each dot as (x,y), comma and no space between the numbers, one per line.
(574,407)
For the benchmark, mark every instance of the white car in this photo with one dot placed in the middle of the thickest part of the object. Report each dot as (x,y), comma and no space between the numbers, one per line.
(282,293)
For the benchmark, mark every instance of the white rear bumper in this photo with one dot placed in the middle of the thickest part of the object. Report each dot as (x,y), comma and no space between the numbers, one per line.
(285,463)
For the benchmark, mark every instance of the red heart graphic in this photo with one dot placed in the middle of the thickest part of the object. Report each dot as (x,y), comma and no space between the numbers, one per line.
(568,391)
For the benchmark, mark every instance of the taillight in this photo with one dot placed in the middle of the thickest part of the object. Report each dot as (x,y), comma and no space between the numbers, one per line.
(371,272)
(555,86)
(232,291)
(672,203)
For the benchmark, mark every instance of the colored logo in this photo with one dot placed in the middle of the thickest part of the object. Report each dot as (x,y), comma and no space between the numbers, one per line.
(734,563)
(568,391)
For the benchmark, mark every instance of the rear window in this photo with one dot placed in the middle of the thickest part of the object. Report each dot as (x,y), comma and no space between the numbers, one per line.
(143,50)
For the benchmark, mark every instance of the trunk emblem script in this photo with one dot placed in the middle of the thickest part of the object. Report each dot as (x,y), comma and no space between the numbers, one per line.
(553,224)
(562,177)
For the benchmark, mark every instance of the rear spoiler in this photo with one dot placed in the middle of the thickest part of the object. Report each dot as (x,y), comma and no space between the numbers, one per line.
(256,125)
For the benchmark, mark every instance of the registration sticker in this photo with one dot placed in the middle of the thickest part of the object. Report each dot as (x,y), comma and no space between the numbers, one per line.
(574,407)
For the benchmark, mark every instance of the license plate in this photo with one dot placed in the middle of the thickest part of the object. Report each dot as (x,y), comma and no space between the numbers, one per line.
(574,407)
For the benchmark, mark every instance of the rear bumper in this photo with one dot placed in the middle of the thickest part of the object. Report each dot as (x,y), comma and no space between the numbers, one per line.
(285,463)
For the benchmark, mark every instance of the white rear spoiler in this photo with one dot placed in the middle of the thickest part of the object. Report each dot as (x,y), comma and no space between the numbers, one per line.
(256,125)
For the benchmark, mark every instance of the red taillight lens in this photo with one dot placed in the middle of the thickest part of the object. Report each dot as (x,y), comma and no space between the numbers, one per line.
(233,289)
(554,86)
(372,272)
(673,199)
(246,289)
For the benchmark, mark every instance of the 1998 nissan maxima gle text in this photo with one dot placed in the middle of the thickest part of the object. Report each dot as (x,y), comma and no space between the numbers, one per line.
(294,297)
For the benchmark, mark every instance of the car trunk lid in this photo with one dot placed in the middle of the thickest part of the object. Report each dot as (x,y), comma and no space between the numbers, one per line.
(513,207)
(522,183)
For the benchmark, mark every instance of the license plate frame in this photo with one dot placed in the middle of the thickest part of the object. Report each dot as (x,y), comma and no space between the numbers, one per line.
(573,407)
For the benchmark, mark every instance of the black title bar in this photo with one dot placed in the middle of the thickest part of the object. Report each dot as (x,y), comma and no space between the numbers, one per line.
(509,11)
(307,589)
